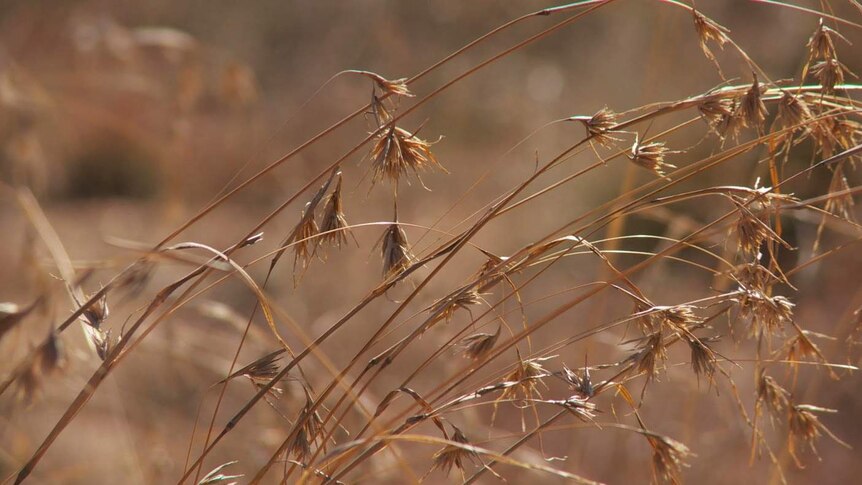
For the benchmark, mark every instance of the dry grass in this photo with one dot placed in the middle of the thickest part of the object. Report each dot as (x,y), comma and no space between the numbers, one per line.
(463,361)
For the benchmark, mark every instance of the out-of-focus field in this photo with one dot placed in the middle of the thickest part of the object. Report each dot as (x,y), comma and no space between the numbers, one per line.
(127,118)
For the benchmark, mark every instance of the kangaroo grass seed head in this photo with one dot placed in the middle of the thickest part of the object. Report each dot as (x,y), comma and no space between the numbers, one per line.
(830,73)
(753,222)
(100,340)
(668,458)
(800,347)
(556,292)
(703,359)
(581,383)
(395,87)
(650,355)
(600,126)
(651,156)
(395,251)
(768,314)
(834,134)
(397,153)
(526,376)
(771,395)
(299,446)
(452,456)
(446,307)
(709,31)
(751,233)
(805,426)
(333,224)
(752,111)
(265,368)
(717,110)
(821,44)
(478,345)
(841,206)
(487,277)
(678,317)
(793,112)
(97,312)
(754,276)
(305,232)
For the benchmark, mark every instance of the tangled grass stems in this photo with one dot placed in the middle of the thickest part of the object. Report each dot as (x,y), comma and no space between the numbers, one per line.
(561,309)
(308,436)
(99,376)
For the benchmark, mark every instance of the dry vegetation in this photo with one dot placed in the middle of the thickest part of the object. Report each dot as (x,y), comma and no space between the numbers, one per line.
(660,291)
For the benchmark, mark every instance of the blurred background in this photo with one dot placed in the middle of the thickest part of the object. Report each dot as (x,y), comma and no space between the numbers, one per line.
(126,118)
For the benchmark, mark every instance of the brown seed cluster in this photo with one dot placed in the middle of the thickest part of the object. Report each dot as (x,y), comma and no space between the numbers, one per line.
(397,153)
(710,31)
(651,157)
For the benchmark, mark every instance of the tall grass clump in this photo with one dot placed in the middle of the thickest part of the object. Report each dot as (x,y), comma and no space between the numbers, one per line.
(501,335)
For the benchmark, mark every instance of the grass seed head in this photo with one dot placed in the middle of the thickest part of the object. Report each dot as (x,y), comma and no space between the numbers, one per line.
(753,225)
(793,112)
(445,308)
(651,157)
(833,134)
(805,426)
(709,31)
(394,87)
(299,446)
(668,458)
(527,374)
(100,339)
(769,314)
(262,371)
(751,110)
(395,251)
(97,312)
(333,224)
(771,395)
(703,360)
(478,345)
(304,239)
(840,205)
(678,317)
(600,126)
(452,456)
(398,153)
(830,73)
(717,111)
(486,277)
(821,44)
(754,276)
(650,354)
(581,384)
